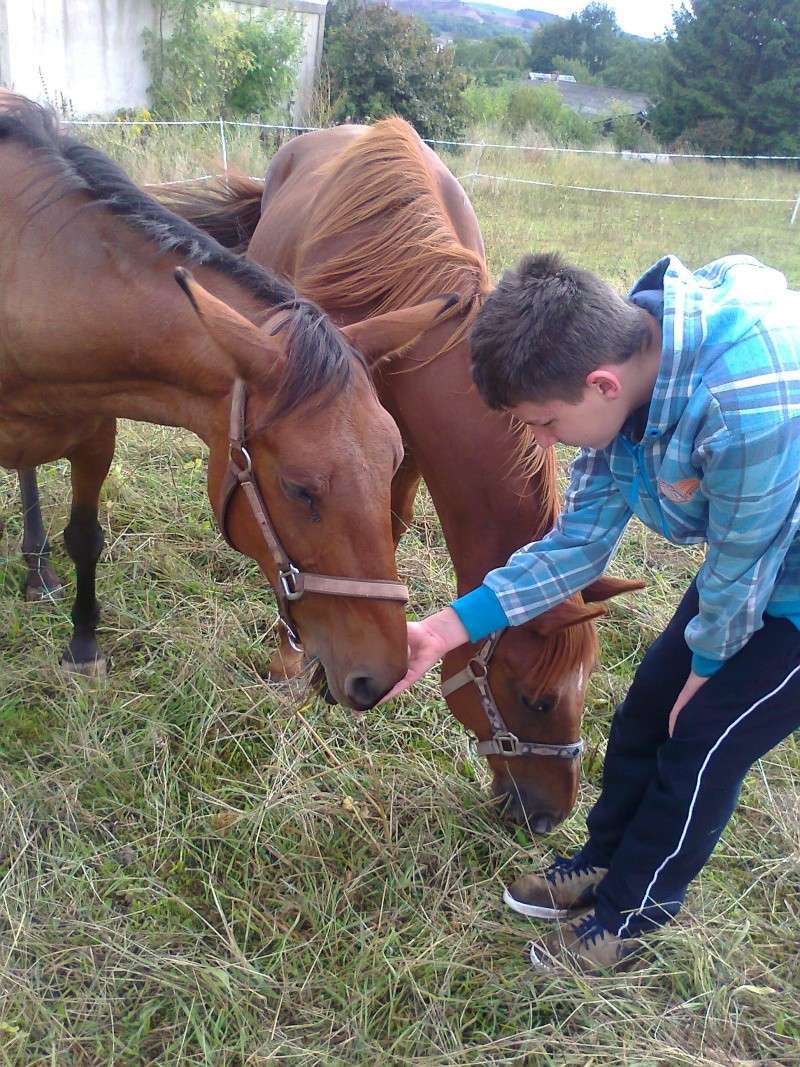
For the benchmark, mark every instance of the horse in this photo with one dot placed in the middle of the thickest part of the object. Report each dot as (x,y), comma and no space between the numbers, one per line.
(93,327)
(363,220)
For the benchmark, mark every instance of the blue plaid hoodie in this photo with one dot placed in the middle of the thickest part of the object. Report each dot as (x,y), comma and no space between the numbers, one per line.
(718,462)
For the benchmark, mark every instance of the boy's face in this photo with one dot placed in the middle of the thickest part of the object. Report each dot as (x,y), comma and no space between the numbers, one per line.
(593,422)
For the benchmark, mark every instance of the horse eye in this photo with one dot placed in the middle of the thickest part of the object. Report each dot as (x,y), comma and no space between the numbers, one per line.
(299,493)
(540,705)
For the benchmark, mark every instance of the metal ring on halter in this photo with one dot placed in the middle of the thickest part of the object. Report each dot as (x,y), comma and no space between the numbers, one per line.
(248,459)
(478,668)
(292,636)
(289,577)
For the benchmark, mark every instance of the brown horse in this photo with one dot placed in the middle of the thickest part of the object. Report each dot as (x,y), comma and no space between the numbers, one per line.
(364,220)
(93,327)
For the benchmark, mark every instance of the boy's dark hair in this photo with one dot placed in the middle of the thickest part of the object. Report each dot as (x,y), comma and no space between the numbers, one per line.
(545,327)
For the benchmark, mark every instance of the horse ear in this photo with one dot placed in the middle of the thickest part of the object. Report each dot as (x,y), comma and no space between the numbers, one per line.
(563,615)
(606,587)
(377,337)
(249,347)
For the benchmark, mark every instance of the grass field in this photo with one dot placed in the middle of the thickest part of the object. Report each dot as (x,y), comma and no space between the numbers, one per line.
(197,867)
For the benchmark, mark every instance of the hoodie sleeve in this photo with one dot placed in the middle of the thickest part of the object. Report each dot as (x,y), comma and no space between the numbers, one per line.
(569,558)
(752,482)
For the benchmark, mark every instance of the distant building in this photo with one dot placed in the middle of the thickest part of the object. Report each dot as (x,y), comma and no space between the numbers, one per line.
(553,76)
(87,54)
(600,103)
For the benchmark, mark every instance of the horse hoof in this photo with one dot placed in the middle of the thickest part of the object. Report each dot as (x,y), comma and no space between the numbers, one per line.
(93,668)
(37,592)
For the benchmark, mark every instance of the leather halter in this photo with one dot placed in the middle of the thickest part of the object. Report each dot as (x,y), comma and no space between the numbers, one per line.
(292,583)
(503,742)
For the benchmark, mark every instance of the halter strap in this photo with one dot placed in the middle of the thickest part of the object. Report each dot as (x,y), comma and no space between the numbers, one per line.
(292,583)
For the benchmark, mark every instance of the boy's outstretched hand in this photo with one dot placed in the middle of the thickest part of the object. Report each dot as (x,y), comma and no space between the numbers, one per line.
(428,641)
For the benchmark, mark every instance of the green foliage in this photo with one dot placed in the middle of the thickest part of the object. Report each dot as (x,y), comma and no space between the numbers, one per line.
(628,134)
(494,60)
(540,107)
(636,65)
(734,62)
(206,61)
(589,37)
(591,46)
(487,105)
(382,63)
(577,69)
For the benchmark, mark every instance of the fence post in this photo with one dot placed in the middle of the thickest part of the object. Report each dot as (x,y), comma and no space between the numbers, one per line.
(473,174)
(796,209)
(224,147)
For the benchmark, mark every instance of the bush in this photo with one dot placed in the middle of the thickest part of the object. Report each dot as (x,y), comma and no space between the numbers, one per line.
(486,105)
(627,133)
(711,135)
(380,63)
(211,62)
(541,108)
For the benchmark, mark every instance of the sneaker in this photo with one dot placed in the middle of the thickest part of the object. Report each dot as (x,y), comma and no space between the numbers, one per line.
(585,944)
(565,888)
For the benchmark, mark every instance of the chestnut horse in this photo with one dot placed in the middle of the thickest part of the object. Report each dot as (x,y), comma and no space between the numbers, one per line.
(93,327)
(363,220)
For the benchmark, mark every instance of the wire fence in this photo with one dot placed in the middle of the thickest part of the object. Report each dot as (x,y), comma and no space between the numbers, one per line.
(222,124)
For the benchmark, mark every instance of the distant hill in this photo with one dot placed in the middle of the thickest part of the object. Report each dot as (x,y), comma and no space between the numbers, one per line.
(472,20)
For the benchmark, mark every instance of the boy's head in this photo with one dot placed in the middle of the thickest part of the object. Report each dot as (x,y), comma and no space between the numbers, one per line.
(554,345)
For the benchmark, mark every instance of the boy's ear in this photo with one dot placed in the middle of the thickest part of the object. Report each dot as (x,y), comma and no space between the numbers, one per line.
(606,381)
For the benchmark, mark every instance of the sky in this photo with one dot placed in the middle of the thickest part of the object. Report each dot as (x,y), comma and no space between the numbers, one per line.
(647,18)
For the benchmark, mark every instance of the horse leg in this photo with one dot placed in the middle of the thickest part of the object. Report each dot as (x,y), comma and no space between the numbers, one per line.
(404,491)
(83,538)
(42,582)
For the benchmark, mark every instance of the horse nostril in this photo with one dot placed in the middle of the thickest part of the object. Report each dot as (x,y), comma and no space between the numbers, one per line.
(363,690)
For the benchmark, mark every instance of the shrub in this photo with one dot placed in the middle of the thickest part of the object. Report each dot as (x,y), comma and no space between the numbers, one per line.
(204,61)
(541,108)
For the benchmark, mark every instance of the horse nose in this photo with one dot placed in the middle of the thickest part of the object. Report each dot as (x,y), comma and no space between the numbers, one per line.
(363,690)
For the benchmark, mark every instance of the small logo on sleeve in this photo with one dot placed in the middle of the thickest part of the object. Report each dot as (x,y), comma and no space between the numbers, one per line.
(679,492)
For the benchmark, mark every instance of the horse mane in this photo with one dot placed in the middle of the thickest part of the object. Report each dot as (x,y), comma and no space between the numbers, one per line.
(319,357)
(381,186)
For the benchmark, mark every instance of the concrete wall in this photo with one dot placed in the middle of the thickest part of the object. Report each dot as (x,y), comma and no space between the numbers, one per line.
(88,53)
(311,15)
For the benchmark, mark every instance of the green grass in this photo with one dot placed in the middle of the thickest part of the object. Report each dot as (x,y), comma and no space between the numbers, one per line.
(197,867)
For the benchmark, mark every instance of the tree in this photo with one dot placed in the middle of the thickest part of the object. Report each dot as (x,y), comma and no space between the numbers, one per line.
(637,65)
(589,37)
(493,60)
(380,62)
(732,72)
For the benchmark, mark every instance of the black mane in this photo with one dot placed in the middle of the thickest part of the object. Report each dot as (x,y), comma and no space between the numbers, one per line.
(320,359)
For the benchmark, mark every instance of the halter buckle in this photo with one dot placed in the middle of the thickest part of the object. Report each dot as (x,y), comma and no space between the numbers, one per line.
(289,577)
(507,743)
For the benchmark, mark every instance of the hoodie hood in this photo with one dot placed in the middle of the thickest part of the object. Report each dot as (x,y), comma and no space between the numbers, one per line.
(705,313)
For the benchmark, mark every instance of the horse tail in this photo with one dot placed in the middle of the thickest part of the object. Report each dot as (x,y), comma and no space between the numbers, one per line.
(228,209)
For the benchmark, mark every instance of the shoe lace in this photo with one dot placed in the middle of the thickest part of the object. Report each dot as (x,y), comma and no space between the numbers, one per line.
(565,867)
(589,930)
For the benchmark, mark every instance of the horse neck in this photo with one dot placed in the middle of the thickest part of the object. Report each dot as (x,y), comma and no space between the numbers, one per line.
(127,342)
(470,458)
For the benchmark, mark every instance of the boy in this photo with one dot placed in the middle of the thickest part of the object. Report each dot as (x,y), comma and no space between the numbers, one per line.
(686,400)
